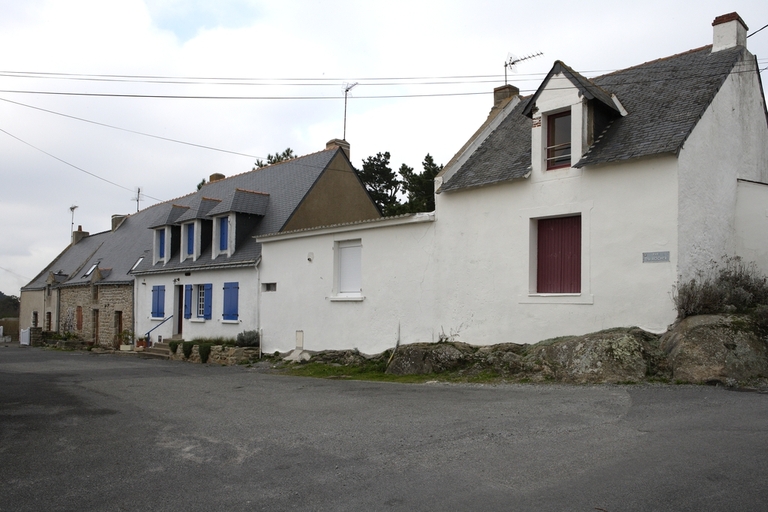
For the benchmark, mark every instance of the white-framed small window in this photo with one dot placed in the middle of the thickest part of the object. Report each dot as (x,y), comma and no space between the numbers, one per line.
(269,287)
(349,269)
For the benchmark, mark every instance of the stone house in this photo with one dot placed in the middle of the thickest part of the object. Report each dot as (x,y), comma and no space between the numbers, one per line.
(572,210)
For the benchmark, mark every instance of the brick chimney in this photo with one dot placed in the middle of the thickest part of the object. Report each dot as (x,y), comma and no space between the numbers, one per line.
(78,235)
(503,93)
(216,177)
(117,219)
(338,143)
(729,31)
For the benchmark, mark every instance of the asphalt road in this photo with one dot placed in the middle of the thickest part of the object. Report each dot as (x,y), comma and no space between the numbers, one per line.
(82,432)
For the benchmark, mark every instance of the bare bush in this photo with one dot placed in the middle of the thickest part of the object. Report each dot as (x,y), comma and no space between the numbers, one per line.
(730,285)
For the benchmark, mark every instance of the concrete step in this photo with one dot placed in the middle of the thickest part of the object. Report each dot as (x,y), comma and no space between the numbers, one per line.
(157,351)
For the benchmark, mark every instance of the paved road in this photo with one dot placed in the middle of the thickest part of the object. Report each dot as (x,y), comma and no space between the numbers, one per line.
(82,432)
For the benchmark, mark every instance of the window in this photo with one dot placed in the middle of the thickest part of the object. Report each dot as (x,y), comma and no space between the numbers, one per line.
(34,319)
(190,239)
(204,301)
(230,301)
(48,321)
(138,262)
(558,258)
(269,287)
(79,318)
(559,140)
(223,233)
(158,301)
(349,268)
(90,270)
(161,244)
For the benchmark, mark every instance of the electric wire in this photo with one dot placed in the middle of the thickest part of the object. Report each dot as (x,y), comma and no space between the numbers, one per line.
(73,165)
(132,131)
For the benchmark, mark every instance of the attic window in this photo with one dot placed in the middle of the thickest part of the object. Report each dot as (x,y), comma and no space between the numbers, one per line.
(137,263)
(559,140)
(90,270)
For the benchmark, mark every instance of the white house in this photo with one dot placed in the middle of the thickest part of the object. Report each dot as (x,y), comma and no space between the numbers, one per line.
(200,274)
(569,211)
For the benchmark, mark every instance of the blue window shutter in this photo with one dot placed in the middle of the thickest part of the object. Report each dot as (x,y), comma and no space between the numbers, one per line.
(224,234)
(230,301)
(155,291)
(188,301)
(190,239)
(207,313)
(161,243)
(161,300)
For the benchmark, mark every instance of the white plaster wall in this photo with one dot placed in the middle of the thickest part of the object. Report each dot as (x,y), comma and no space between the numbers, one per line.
(752,223)
(397,286)
(467,274)
(248,310)
(483,253)
(729,142)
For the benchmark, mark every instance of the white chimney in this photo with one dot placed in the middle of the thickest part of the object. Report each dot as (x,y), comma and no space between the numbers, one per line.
(729,31)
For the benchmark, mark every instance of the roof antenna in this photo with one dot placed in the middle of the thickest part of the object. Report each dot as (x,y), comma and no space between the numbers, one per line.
(137,198)
(512,60)
(72,209)
(347,87)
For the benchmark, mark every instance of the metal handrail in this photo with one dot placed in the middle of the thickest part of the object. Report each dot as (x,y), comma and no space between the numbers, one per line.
(146,336)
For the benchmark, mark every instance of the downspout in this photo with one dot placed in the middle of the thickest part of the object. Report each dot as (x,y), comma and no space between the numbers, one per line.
(258,306)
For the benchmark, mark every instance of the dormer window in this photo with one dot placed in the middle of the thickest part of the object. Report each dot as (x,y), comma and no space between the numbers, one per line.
(161,244)
(559,140)
(223,235)
(191,239)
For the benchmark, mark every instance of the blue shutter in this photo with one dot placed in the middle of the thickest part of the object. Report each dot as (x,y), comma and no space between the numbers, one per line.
(154,301)
(224,234)
(190,239)
(188,301)
(158,301)
(161,243)
(161,301)
(230,301)
(207,306)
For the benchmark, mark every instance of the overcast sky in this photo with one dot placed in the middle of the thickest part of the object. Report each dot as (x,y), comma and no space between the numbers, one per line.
(425,72)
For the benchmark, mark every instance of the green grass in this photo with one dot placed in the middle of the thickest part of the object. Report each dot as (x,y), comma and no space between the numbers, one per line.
(374,371)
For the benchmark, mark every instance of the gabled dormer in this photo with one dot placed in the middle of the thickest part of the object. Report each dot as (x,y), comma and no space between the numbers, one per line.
(568,113)
(234,218)
(167,235)
(196,229)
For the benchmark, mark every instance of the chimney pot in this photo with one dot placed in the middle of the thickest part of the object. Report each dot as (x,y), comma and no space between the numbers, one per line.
(79,234)
(729,31)
(216,177)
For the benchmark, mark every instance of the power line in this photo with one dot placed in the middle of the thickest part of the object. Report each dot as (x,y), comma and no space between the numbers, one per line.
(241,98)
(73,165)
(131,131)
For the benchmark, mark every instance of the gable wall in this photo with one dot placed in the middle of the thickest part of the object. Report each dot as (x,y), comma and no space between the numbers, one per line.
(729,142)
(752,223)
(30,301)
(337,197)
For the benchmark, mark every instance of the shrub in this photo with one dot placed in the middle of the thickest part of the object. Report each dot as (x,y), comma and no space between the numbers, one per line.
(173,345)
(204,349)
(248,339)
(186,347)
(730,286)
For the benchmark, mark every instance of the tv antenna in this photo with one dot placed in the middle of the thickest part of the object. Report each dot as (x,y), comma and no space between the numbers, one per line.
(137,198)
(72,210)
(347,87)
(512,60)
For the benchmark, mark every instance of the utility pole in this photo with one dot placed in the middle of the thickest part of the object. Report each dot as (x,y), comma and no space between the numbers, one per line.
(347,88)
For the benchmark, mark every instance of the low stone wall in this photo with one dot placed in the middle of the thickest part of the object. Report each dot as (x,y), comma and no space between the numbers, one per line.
(222,355)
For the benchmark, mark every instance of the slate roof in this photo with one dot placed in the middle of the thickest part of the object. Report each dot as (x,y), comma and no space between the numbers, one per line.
(116,252)
(664,100)
(281,188)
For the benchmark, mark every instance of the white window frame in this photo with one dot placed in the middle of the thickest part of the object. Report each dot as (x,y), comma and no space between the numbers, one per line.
(348,270)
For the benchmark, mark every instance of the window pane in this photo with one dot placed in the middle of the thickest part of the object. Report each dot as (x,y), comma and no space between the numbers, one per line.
(350,269)
(559,140)
(223,233)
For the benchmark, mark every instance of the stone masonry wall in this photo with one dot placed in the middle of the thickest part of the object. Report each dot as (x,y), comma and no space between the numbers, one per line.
(103,307)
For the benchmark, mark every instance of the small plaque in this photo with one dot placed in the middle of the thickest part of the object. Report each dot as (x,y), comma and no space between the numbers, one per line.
(655,257)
